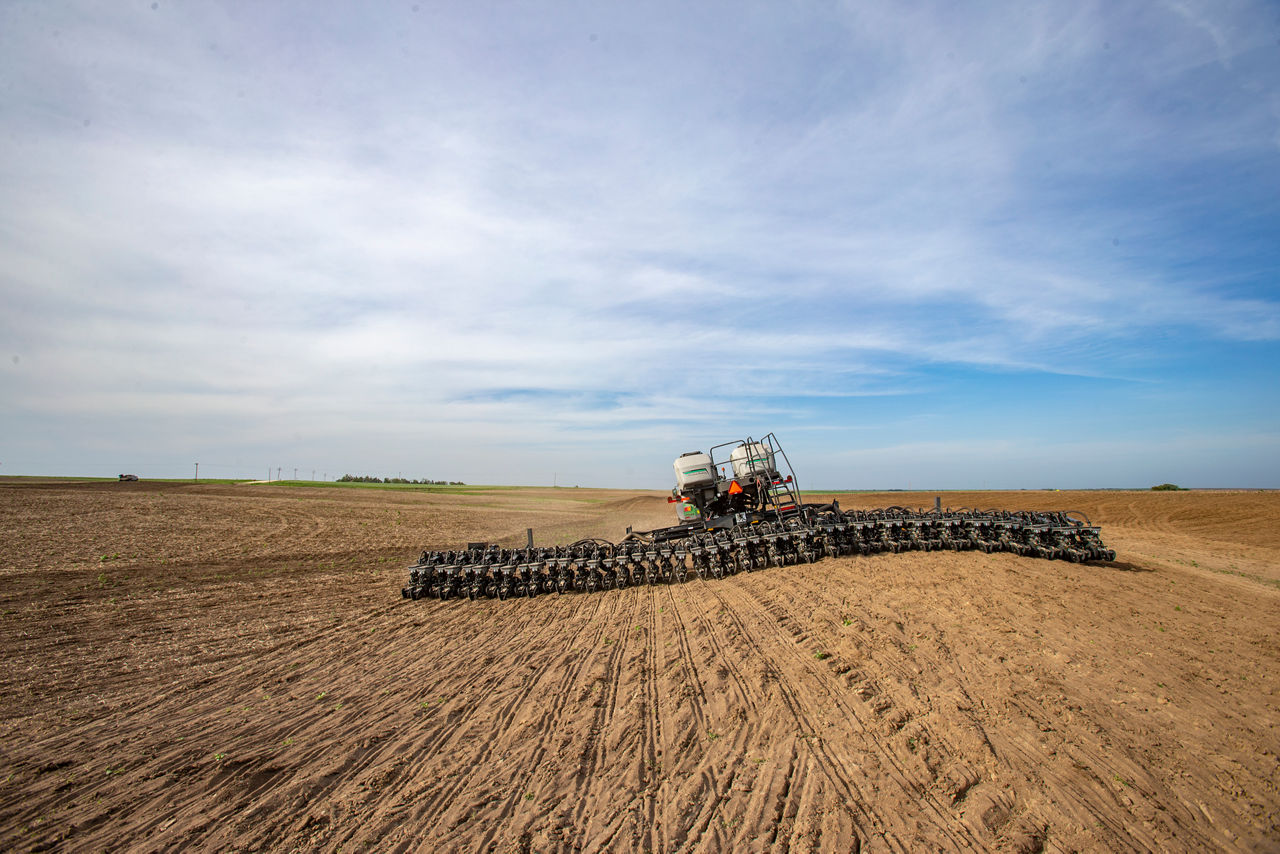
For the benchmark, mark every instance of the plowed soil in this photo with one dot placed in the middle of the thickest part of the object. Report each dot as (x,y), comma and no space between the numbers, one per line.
(232,668)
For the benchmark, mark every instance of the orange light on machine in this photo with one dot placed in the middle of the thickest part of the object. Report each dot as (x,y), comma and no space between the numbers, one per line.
(735,488)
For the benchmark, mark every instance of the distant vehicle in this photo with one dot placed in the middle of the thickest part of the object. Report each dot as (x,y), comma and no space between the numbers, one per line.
(128,477)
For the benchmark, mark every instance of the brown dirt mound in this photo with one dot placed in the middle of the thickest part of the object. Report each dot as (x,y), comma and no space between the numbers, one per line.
(232,668)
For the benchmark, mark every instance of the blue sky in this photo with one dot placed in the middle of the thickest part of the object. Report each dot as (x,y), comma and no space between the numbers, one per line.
(928,245)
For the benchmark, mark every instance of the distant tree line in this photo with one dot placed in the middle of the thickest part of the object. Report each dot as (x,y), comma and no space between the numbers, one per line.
(364,478)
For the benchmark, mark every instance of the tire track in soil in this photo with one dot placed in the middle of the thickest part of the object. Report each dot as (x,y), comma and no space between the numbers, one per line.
(787,804)
(718,788)
(868,688)
(447,735)
(790,698)
(718,651)
(406,755)
(652,783)
(605,713)
(698,706)
(461,677)
(801,805)
(206,714)
(914,797)
(1040,779)
(264,818)
(901,777)
(550,719)
(678,737)
(694,681)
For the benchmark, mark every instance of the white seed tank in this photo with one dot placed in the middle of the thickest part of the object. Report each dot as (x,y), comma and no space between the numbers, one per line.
(752,459)
(694,469)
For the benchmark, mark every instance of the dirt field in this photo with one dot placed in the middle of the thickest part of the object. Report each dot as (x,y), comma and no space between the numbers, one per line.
(232,668)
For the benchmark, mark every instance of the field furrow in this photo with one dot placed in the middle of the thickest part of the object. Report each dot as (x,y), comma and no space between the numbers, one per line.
(229,667)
